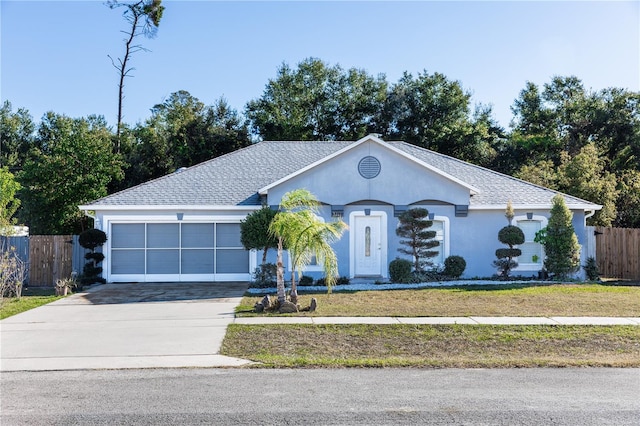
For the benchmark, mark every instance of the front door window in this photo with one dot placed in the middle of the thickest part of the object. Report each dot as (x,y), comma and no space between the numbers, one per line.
(367,249)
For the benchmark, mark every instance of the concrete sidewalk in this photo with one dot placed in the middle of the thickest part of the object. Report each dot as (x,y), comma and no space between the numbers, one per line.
(169,325)
(443,320)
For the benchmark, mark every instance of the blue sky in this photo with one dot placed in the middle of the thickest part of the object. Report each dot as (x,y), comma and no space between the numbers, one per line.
(54,54)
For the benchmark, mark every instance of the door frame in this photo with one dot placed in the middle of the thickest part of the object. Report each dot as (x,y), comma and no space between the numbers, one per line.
(383,240)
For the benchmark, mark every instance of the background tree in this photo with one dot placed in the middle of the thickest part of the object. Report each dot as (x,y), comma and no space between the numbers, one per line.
(628,204)
(434,112)
(585,176)
(144,18)
(316,101)
(16,136)
(577,141)
(71,165)
(8,202)
(182,132)
(414,225)
(254,231)
(560,242)
(297,228)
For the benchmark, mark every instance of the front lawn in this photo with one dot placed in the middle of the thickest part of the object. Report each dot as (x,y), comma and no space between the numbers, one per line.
(434,346)
(32,297)
(512,300)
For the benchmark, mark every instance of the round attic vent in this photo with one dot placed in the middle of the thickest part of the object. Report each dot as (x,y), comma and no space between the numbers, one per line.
(369,167)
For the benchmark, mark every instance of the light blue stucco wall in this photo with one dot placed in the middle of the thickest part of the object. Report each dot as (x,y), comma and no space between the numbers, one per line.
(474,237)
(401,181)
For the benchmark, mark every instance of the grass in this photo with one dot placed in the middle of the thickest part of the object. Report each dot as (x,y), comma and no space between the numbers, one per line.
(517,300)
(32,297)
(434,346)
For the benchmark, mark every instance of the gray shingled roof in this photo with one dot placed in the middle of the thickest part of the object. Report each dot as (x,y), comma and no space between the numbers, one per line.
(234,179)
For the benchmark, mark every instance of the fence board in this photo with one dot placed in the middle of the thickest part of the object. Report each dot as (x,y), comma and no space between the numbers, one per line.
(50,258)
(618,252)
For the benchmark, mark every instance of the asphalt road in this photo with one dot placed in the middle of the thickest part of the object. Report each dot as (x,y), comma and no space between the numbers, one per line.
(585,396)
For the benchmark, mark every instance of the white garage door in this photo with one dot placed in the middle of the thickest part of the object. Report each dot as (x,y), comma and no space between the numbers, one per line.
(177,252)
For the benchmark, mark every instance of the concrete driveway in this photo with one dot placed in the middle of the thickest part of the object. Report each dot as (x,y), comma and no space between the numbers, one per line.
(142,325)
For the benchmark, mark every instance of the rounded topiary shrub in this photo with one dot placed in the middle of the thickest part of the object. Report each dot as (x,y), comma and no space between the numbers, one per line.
(96,256)
(400,270)
(92,238)
(511,235)
(454,266)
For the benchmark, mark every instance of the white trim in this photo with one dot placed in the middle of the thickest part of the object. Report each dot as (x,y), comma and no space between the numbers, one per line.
(110,220)
(576,206)
(264,190)
(148,207)
(446,236)
(471,188)
(383,241)
(370,138)
(524,267)
(171,218)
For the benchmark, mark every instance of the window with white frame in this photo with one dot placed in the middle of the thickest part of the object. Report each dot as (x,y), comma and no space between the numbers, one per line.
(532,253)
(438,227)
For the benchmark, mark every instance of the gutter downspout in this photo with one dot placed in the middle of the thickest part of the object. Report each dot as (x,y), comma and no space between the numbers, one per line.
(92,215)
(587,216)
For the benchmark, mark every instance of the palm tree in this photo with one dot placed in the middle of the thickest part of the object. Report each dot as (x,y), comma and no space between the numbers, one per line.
(297,227)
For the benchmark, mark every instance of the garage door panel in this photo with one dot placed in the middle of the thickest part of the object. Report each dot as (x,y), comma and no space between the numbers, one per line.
(163,261)
(197,235)
(163,235)
(228,235)
(197,261)
(127,235)
(127,262)
(232,261)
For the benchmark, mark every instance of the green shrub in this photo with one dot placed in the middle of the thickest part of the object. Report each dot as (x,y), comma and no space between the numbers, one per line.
(92,238)
(96,256)
(512,236)
(343,281)
(591,269)
(400,271)
(454,266)
(305,280)
(264,276)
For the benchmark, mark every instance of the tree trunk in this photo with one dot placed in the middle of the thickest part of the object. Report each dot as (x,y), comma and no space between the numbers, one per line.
(280,275)
(293,296)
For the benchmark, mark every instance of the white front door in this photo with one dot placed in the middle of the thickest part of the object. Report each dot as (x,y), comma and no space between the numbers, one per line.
(367,245)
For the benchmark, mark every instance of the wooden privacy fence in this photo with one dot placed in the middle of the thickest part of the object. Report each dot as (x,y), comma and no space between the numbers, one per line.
(50,258)
(618,252)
